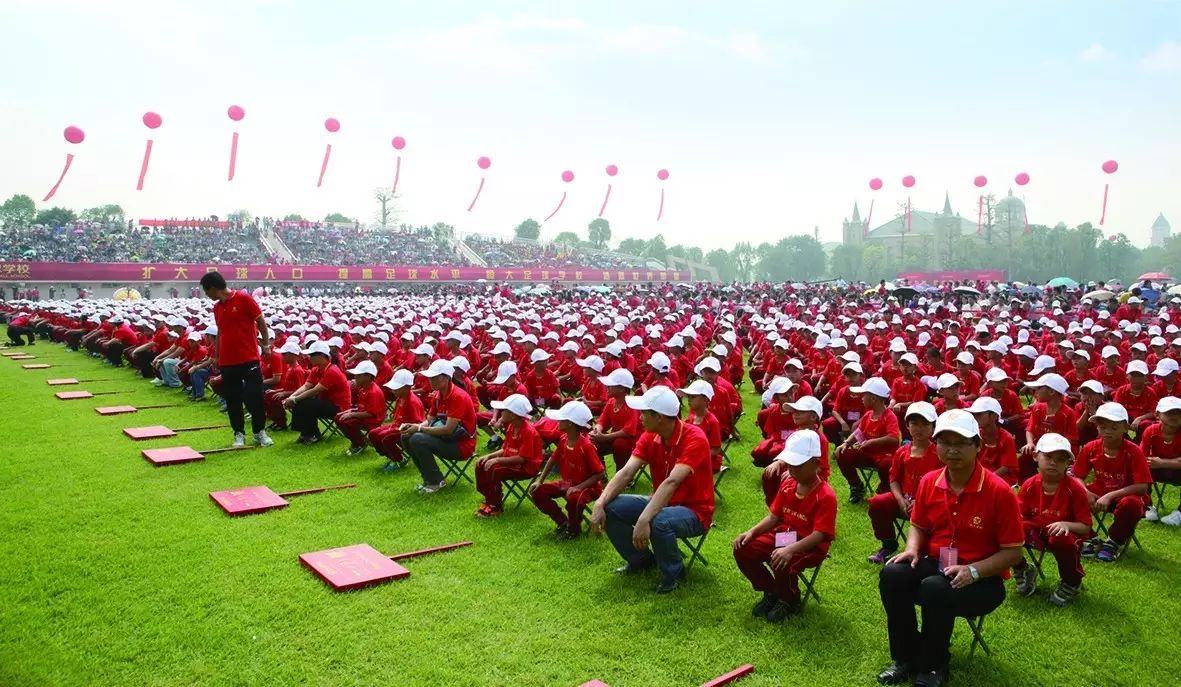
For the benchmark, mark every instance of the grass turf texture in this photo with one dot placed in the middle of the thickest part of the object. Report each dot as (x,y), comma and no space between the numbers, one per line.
(117,573)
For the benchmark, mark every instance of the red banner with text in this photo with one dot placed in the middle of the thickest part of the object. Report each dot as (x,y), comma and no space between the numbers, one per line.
(953,275)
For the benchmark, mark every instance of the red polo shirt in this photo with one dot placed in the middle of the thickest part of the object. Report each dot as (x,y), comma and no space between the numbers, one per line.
(457,404)
(523,440)
(1152,443)
(1064,422)
(908,391)
(1136,405)
(1068,503)
(619,419)
(983,519)
(816,512)
(579,462)
(293,377)
(237,332)
(336,386)
(907,469)
(872,427)
(541,388)
(687,446)
(1124,469)
(371,400)
(1002,454)
(407,410)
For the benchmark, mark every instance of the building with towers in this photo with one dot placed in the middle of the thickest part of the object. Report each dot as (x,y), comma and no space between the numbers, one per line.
(1161,231)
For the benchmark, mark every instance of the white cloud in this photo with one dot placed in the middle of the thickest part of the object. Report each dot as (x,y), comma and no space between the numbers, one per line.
(1095,52)
(1166,58)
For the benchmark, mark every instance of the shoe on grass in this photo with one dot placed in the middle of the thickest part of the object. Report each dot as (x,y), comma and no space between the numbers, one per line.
(262,439)
(668,585)
(1064,594)
(1026,578)
(431,488)
(856,496)
(391,467)
(239,440)
(1108,552)
(895,674)
(355,451)
(883,554)
(764,605)
(1172,519)
(1150,514)
(1090,547)
(782,610)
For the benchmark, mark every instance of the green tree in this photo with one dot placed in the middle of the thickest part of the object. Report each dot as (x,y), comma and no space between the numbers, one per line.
(1117,257)
(875,264)
(18,210)
(293,217)
(632,246)
(599,232)
(721,261)
(677,251)
(337,217)
(442,230)
(846,262)
(567,238)
(104,214)
(694,254)
(386,210)
(744,258)
(529,229)
(55,217)
(242,216)
(655,248)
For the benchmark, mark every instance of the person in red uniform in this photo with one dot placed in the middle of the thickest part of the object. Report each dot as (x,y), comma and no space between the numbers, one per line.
(1121,483)
(1012,411)
(544,388)
(242,335)
(910,463)
(449,429)
(726,404)
(805,414)
(948,387)
(965,534)
(998,450)
(367,409)
(1056,516)
(294,375)
(794,536)
(1049,414)
(1137,396)
(325,393)
(682,502)
(1162,450)
(618,428)
(699,394)
(387,438)
(847,406)
(873,442)
(907,388)
(519,457)
(580,471)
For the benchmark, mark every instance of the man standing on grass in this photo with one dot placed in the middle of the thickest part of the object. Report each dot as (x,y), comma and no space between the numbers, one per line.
(240,325)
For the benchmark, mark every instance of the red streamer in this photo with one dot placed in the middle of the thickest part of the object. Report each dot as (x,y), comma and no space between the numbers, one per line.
(660,212)
(563,200)
(605,199)
(477,196)
(397,173)
(1103,216)
(233,155)
(324,164)
(52,191)
(980,218)
(143,166)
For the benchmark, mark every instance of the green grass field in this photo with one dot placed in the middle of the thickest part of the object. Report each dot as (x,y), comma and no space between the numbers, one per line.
(118,573)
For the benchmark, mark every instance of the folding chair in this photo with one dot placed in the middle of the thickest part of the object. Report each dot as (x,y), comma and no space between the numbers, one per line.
(976,624)
(1101,527)
(694,545)
(867,475)
(328,428)
(1036,556)
(809,582)
(900,529)
(1158,494)
(457,468)
(718,479)
(517,489)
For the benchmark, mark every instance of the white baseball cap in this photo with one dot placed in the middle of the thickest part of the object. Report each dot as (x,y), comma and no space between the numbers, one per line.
(402,378)
(290,347)
(1165,367)
(808,404)
(378,347)
(959,422)
(1111,352)
(1052,380)
(593,362)
(505,370)
(922,409)
(965,357)
(1167,404)
(539,355)
(709,363)
(501,348)
(516,404)
(318,347)
(909,358)
(1092,385)
(423,349)
(619,377)
(439,367)
(660,362)
(660,399)
(1111,411)
(699,388)
(573,411)
(365,367)
(1138,366)
(1043,363)
(461,363)
(802,446)
(779,385)
(995,374)
(946,381)
(874,385)
(1051,442)
(985,404)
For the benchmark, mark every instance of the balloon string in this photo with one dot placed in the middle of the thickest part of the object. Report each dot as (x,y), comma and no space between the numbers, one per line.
(397,173)
(563,200)
(1103,216)
(909,216)
(605,199)
(143,167)
(865,230)
(69,161)
(660,212)
(233,155)
(477,196)
(324,164)
(980,217)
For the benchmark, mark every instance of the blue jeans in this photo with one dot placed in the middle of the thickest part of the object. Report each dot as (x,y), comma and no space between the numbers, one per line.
(168,372)
(199,378)
(671,523)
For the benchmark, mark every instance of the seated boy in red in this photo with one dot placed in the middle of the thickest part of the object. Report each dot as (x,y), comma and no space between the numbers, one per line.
(408,409)
(1121,480)
(909,464)
(518,458)
(579,467)
(368,408)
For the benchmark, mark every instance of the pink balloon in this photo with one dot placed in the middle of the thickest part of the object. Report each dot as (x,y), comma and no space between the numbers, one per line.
(908,181)
(332,124)
(152,120)
(662,174)
(567,176)
(236,113)
(612,170)
(1022,179)
(980,181)
(399,143)
(1110,166)
(875,184)
(484,163)
(74,135)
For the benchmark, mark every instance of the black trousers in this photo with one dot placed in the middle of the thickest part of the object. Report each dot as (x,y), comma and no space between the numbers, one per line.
(902,587)
(143,363)
(306,412)
(243,384)
(115,353)
(17,335)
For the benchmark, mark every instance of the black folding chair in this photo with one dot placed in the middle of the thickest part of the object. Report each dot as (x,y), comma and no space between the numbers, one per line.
(976,624)
(694,544)
(867,476)
(517,489)
(328,428)
(456,468)
(1101,527)
(1158,494)
(1036,556)
(809,583)
(718,479)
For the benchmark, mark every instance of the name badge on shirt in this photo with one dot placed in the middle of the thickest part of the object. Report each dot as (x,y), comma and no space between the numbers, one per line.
(783,539)
(948,556)
(853,416)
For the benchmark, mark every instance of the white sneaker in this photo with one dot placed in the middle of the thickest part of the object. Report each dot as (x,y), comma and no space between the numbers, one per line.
(1150,514)
(239,440)
(431,488)
(1172,519)
(157,381)
(262,439)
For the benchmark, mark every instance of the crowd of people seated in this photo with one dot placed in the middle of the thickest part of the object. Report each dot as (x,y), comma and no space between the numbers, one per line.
(335,245)
(500,253)
(97,242)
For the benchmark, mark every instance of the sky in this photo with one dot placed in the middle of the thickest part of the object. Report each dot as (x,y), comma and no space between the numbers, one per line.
(771,117)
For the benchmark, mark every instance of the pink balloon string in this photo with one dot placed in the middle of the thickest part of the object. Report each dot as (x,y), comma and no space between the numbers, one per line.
(143,166)
(397,174)
(1102,216)
(605,199)
(233,155)
(563,200)
(980,217)
(868,217)
(324,164)
(660,212)
(52,191)
(477,196)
